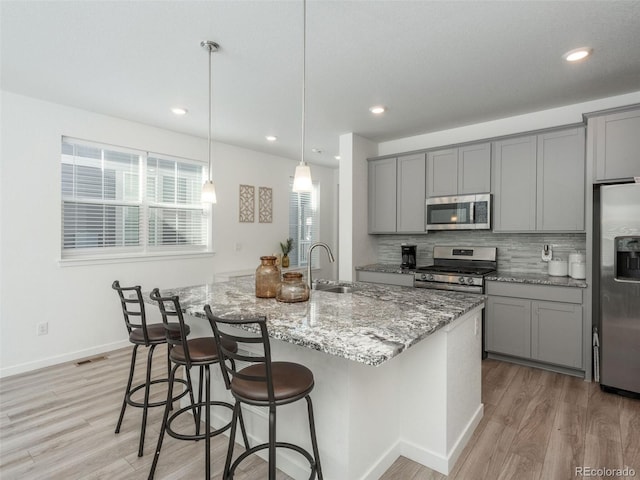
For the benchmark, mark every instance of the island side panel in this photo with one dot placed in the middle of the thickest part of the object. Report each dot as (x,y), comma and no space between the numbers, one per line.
(442,393)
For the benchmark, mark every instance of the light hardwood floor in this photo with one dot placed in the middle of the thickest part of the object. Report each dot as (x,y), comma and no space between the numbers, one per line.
(58,422)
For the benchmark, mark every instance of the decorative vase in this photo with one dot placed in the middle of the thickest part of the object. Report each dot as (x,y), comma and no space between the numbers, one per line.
(267,277)
(285,261)
(293,288)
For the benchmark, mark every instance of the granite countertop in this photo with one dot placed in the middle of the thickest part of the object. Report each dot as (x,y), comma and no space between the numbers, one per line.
(535,279)
(371,325)
(386,268)
(499,276)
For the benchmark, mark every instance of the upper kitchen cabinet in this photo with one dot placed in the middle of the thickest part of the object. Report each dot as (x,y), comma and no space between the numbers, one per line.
(514,184)
(561,181)
(616,145)
(397,194)
(539,182)
(459,171)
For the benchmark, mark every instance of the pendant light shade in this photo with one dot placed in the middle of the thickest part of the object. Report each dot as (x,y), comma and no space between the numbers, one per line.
(208,188)
(302,178)
(209,192)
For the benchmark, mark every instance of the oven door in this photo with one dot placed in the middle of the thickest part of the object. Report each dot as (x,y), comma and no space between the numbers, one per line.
(464,212)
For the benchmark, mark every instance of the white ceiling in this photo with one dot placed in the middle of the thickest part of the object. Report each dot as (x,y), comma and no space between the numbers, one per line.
(434,64)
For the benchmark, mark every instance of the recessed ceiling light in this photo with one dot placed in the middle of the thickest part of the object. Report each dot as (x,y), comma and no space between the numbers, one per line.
(337,157)
(179,110)
(271,138)
(577,54)
(377,109)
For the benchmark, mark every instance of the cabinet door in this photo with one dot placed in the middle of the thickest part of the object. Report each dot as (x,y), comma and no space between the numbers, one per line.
(474,169)
(557,333)
(561,181)
(442,172)
(410,214)
(508,326)
(514,184)
(382,196)
(617,145)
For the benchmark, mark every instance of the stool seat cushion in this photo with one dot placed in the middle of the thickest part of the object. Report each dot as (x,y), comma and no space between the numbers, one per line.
(156,333)
(201,350)
(289,380)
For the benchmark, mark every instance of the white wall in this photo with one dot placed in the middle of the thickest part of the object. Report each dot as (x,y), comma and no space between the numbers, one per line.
(555,117)
(356,246)
(77,301)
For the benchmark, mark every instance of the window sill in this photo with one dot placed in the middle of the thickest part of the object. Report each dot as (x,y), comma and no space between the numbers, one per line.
(129,258)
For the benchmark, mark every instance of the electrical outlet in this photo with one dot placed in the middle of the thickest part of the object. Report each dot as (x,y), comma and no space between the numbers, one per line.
(42,328)
(238,246)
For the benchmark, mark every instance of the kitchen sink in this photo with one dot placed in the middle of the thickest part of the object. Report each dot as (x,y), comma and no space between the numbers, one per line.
(334,288)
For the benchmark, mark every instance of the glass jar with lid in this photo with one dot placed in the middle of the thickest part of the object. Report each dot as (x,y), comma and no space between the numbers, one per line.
(267,277)
(293,288)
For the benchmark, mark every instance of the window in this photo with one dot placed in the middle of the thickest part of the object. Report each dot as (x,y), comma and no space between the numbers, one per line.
(118,201)
(304,224)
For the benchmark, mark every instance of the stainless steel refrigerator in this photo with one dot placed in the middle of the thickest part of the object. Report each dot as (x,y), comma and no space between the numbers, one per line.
(619,287)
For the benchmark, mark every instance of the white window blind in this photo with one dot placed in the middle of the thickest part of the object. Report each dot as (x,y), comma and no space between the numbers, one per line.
(304,224)
(123,201)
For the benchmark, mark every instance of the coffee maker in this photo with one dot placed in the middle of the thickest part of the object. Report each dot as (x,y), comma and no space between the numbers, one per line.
(408,256)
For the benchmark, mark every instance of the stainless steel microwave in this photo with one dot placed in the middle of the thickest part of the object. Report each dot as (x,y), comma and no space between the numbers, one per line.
(462,212)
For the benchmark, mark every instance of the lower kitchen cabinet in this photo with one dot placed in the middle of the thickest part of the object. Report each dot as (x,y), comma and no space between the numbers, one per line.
(539,323)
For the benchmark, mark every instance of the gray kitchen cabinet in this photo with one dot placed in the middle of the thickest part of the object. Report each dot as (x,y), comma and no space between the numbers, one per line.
(411,184)
(397,194)
(617,145)
(538,182)
(382,196)
(508,326)
(538,323)
(560,181)
(459,171)
(556,333)
(514,184)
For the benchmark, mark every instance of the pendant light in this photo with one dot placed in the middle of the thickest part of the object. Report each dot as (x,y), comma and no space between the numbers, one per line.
(302,178)
(208,188)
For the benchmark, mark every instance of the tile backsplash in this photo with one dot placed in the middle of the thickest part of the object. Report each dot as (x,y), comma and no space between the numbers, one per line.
(517,252)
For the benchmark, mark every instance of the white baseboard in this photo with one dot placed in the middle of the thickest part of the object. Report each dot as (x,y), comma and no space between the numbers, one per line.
(67,357)
(437,461)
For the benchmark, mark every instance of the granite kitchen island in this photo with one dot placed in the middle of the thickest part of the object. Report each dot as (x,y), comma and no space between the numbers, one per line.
(397,372)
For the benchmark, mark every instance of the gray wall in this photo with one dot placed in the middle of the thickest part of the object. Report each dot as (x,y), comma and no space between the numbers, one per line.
(518,252)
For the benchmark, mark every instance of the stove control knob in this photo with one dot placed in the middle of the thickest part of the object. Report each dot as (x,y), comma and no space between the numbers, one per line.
(470,281)
(423,276)
(461,280)
(430,277)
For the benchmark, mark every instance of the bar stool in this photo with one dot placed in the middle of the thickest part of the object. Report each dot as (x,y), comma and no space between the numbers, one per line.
(263,383)
(187,353)
(141,334)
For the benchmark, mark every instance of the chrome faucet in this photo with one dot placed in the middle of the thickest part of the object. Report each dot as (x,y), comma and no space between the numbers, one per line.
(311,247)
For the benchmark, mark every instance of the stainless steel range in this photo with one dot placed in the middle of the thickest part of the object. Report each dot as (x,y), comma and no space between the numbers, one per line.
(457,268)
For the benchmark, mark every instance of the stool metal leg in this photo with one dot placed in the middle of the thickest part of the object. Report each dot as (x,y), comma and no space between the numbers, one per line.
(232,436)
(314,442)
(165,418)
(145,408)
(126,393)
(272,442)
(207,421)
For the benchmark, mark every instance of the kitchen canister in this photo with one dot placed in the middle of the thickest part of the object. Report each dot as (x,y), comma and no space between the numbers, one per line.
(292,288)
(577,265)
(267,277)
(558,267)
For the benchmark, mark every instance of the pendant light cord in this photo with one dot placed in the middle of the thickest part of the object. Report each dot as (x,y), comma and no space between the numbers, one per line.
(304,71)
(209,129)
